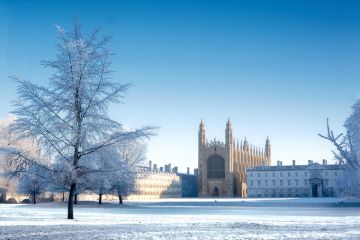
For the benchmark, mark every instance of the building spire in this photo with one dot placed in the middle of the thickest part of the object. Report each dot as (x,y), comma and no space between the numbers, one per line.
(246,145)
(202,136)
(228,133)
(268,150)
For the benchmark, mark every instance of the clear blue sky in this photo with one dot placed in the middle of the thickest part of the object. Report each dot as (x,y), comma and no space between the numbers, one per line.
(276,68)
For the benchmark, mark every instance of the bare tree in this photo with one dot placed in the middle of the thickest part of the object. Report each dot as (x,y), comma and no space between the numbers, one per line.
(69,118)
(342,144)
(19,163)
(133,156)
(102,166)
(133,153)
(348,152)
(32,184)
(124,184)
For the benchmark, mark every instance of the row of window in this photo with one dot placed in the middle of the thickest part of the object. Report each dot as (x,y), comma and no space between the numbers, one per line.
(168,193)
(151,186)
(281,174)
(159,180)
(280,195)
(281,182)
(280,191)
(298,192)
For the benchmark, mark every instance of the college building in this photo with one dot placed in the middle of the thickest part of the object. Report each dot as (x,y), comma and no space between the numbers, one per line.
(155,182)
(312,180)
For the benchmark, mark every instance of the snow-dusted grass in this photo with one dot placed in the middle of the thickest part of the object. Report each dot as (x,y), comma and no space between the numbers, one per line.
(184,219)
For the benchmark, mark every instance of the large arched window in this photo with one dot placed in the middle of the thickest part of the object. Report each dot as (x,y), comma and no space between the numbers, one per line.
(215,167)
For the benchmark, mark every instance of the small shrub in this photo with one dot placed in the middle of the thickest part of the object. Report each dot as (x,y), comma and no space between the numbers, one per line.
(26,201)
(11,200)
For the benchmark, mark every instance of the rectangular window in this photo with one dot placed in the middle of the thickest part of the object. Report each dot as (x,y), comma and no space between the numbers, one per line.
(281,174)
(273,182)
(259,182)
(273,174)
(281,182)
(258,174)
(296,174)
(266,182)
(251,183)
(288,174)
(289,182)
(297,182)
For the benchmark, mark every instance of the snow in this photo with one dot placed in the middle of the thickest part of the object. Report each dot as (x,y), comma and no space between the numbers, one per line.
(304,218)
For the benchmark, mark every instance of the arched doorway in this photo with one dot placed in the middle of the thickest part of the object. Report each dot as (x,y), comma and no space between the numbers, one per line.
(216,192)
(315,190)
(316,187)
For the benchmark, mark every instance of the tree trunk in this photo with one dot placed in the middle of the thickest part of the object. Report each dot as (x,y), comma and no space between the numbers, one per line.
(120,199)
(100,198)
(71,201)
(63,199)
(34,198)
(75,199)
(3,198)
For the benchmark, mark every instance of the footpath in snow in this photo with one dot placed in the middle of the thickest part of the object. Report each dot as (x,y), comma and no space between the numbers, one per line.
(305,218)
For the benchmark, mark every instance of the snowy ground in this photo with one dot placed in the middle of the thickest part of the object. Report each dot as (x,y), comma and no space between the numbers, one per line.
(184,219)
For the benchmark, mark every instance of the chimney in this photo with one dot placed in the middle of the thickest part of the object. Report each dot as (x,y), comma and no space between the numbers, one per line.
(310,162)
(324,162)
(155,167)
(279,163)
(150,165)
(175,170)
(167,168)
(161,169)
(294,163)
(188,170)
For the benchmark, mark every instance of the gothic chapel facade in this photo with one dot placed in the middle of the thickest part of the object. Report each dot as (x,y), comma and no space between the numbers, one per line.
(222,166)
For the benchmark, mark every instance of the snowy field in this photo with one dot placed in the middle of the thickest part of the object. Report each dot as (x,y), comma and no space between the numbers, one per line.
(184,219)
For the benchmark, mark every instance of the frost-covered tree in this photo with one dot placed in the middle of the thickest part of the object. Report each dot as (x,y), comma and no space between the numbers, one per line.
(124,184)
(133,156)
(100,185)
(33,182)
(9,149)
(101,167)
(133,153)
(69,117)
(348,152)
(19,163)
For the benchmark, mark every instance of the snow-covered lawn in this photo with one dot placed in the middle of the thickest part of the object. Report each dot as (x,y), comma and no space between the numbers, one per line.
(184,219)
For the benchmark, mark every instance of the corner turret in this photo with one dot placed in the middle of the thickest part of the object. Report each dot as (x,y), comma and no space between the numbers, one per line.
(268,151)
(202,136)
